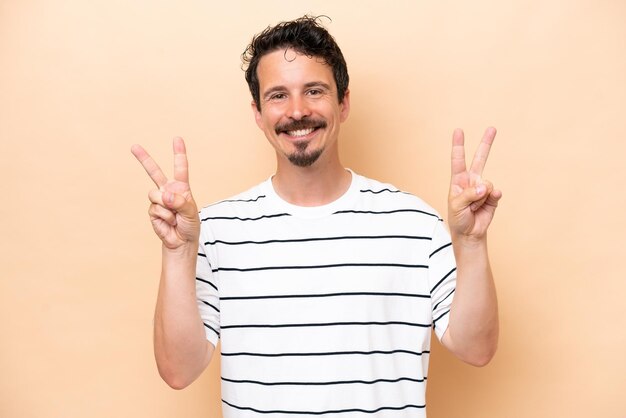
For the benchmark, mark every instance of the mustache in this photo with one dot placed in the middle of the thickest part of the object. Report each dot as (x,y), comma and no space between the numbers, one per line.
(296,125)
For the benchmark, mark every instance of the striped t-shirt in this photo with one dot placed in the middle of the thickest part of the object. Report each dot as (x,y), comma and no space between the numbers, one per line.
(327,310)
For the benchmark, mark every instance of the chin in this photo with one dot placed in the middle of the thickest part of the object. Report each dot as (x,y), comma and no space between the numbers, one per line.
(305,159)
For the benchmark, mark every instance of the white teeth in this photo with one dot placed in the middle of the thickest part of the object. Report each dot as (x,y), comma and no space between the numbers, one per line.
(300,132)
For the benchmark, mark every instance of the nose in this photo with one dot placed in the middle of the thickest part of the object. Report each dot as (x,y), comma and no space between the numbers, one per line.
(298,108)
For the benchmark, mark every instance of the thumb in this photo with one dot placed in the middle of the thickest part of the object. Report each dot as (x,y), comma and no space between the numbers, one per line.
(473,197)
(185,206)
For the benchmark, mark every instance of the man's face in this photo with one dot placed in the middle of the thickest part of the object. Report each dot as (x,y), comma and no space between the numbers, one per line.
(299,111)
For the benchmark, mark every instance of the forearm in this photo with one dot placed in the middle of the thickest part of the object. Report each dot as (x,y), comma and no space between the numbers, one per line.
(181,349)
(472,332)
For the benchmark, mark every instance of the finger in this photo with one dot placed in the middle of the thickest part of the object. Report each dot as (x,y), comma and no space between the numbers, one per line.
(483,189)
(163,198)
(496,195)
(159,212)
(151,167)
(472,197)
(493,198)
(491,203)
(181,166)
(458,152)
(174,202)
(480,158)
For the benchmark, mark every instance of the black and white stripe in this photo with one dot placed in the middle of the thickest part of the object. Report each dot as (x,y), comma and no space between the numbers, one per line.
(326,311)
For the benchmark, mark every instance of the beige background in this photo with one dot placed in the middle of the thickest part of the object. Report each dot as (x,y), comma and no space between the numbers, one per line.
(83,80)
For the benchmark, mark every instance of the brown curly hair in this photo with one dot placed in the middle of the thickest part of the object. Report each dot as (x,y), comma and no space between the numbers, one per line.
(305,35)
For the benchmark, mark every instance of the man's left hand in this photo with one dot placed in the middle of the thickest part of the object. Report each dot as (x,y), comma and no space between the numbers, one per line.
(472,200)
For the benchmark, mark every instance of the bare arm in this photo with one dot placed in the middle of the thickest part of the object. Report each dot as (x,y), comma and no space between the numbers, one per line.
(181,349)
(472,333)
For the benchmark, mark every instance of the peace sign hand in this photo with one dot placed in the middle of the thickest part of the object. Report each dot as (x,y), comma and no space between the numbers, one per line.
(173,211)
(472,201)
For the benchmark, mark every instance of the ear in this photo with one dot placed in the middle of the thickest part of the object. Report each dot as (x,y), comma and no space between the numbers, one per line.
(257,114)
(345,106)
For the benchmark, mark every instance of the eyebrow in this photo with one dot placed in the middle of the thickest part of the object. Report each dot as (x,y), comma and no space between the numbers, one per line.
(310,84)
(317,84)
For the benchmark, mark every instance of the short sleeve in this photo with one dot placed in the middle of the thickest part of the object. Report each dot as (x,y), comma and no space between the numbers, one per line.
(207,294)
(442,278)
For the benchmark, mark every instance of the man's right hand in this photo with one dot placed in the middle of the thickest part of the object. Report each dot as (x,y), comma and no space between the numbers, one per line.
(173,211)
(181,349)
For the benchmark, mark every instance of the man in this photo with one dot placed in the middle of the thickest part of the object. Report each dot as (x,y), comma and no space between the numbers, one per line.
(321,284)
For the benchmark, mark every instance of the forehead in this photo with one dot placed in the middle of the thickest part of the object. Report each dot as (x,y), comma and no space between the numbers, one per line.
(288,68)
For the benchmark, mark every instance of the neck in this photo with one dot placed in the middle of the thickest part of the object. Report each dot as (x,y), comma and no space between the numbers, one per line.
(320,184)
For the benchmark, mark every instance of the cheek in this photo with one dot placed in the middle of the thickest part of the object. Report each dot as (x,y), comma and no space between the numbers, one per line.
(263,121)
(271,116)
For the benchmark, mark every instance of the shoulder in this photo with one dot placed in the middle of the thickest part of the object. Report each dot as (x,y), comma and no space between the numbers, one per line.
(386,196)
(249,200)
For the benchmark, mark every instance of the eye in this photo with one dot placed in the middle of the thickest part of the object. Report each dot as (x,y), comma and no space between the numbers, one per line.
(277,96)
(314,92)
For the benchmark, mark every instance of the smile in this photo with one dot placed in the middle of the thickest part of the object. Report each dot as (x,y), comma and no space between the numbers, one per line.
(300,132)
(300,129)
